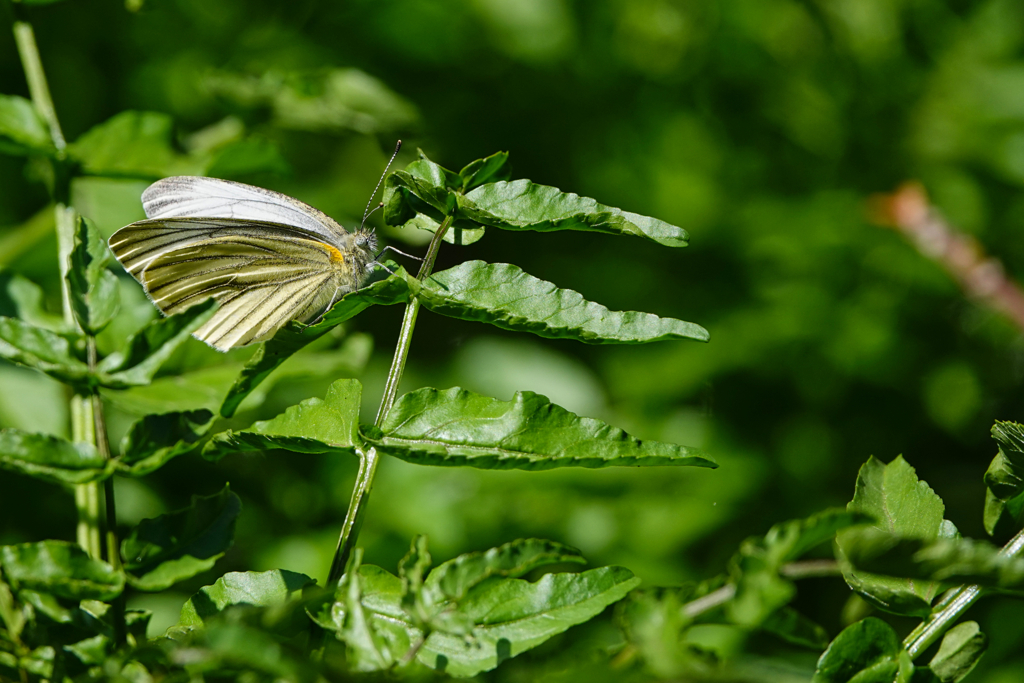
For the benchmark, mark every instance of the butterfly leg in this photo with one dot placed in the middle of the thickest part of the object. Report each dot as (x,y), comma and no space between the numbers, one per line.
(397,251)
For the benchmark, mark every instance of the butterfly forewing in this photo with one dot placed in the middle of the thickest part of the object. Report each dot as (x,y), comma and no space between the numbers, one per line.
(262,274)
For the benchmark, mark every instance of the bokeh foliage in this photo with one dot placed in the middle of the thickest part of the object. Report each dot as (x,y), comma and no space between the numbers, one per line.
(758,125)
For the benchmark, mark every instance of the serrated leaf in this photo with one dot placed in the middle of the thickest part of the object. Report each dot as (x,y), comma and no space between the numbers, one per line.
(95,293)
(503,295)
(424,187)
(457,427)
(51,458)
(487,170)
(151,346)
(162,551)
(523,205)
(867,651)
(903,506)
(960,650)
(330,425)
(258,589)
(22,129)
(156,439)
(41,350)
(453,579)
(132,144)
(269,356)
(62,569)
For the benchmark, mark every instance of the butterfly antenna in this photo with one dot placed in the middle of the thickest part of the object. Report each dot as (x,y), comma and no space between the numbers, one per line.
(367,212)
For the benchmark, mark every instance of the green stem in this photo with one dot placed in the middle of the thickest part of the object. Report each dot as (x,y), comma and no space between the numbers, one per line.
(368,460)
(952,606)
(38,88)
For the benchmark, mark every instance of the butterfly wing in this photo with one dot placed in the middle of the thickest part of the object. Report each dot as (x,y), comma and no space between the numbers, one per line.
(196,197)
(262,274)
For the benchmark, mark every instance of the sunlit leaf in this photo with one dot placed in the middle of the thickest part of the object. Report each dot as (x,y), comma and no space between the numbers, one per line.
(22,129)
(62,569)
(176,546)
(24,299)
(905,506)
(503,295)
(95,292)
(487,170)
(51,458)
(392,290)
(313,426)
(868,651)
(258,589)
(461,232)
(156,439)
(41,350)
(132,144)
(1004,505)
(459,428)
(960,650)
(523,205)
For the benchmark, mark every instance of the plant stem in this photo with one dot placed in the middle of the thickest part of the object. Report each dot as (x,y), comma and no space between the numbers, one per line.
(25,38)
(368,460)
(952,606)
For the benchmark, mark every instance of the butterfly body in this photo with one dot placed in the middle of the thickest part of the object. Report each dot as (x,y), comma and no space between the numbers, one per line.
(265,257)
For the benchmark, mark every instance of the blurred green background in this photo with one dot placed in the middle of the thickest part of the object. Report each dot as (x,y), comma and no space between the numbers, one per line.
(761,126)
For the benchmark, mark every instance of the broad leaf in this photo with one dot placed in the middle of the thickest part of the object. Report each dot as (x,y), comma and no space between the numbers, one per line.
(424,187)
(1004,504)
(868,651)
(503,295)
(224,647)
(176,546)
(461,232)
(392,290)
(903,506)
(41,350)
(313,426)
(133,144)
(151,346)
(459,428)
(62,569)
(487,170)
(795,628)
(51,458)
(95,293)
(258,589)
(961,649)
(23,299)
(523,205)
(155,439)
(22,129)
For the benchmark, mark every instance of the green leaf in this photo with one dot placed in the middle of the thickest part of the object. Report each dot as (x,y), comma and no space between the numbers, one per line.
(258,589)
(234,648)
(788,541)
(903,506)
(1003,517)
(523,205)
(22,129)
(62,569)
(330,425)
(156,439)
(176,546)
(459,428)
(1004,506)
(95,293)
(795,628)
(453,579)
(503,295)
(51,458)
(25,300)
(865,652)
(132,144)
(487,170)
(424,187)
(392,290)
(462,233)
(151,346)
(41,350)
(244,158)
(961,649)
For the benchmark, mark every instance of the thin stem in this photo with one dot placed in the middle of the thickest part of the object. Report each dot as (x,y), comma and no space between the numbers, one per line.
(38,88)
(952,606)
(368,460)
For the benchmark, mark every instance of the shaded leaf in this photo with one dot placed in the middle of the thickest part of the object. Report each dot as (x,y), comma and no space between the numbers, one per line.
(258,589)
(903,506)
(236,647)
(269,356)
(247,157)
(62,569)
(41,350)
(793,627)
(503,295)
(424,187)
(487,170)
(523,205)
(132,144)
(868,651)
(21,298)
(176,546)
(51,458)
(960,650)
(156,439)
(313,426)
(462,233)
(151,346)
(1004,505)
(95,293)
(22,129)
(459,428)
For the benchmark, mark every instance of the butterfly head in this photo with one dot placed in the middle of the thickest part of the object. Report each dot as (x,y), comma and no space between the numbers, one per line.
(365,239)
